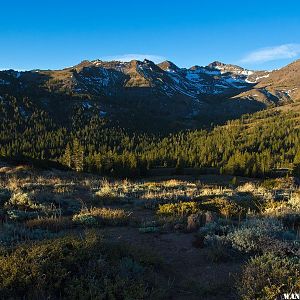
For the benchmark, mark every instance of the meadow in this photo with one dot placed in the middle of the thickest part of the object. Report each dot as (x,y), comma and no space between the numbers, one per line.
(68,235)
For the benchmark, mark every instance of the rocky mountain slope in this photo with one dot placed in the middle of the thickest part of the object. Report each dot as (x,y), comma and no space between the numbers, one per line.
(144,94)
(278,87)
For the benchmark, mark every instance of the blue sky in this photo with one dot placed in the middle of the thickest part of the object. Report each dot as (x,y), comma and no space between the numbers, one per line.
(55,34)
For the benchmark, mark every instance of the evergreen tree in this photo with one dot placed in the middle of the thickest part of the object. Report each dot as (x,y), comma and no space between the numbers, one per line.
(67,158)
(77,157)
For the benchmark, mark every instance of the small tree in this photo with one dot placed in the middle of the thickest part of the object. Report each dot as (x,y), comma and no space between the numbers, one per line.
(67,158)
(78,155)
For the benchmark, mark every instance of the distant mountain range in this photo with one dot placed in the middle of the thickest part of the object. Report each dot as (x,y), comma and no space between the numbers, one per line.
(144,95)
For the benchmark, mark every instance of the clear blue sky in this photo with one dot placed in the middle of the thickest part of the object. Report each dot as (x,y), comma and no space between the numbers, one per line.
(54,34)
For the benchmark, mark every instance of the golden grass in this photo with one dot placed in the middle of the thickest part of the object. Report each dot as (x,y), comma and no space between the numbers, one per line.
(104,216)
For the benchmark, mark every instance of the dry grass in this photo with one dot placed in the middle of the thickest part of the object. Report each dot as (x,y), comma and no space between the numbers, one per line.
(178,209)
(216,191)
(103,216)
(47,204)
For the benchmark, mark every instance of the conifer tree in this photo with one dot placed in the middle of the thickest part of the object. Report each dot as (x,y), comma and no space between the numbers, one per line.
(67,158)
(77,156)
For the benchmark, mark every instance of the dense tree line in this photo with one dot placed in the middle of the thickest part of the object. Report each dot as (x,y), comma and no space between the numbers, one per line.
(253,145)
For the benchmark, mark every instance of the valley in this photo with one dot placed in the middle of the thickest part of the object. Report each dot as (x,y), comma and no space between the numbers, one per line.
(149,150)
(148,181)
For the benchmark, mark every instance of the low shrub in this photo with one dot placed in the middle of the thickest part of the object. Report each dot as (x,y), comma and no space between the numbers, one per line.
(225,207)
(257,235)
(53,224)
(85,219)
(269,277)
(221,227)
(78,268)
(102,216)
(66,189)
(294,201)
(178,209)
(107,190)
(211,234)
(21,200)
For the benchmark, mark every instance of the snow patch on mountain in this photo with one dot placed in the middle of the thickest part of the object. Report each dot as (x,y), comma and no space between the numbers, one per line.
(257,78)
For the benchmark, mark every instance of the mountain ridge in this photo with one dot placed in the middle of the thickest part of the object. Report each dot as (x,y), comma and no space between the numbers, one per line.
(163,93)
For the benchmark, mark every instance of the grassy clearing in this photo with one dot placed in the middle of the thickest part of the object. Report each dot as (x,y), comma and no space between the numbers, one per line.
(250,223)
